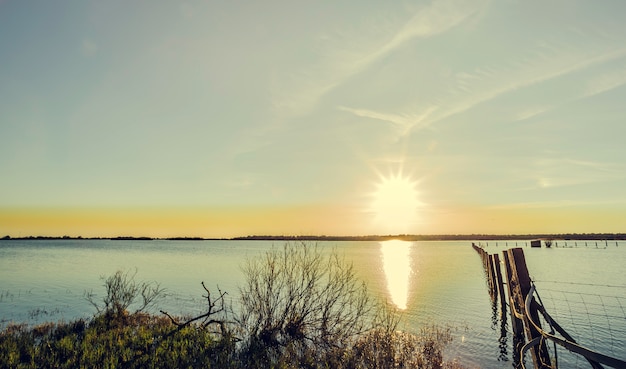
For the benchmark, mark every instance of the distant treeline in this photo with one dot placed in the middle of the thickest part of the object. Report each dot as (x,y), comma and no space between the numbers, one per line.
(119,238)
(446,237)
(405,237)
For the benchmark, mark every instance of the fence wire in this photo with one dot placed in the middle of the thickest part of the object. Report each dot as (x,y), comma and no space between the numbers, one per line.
(593,314)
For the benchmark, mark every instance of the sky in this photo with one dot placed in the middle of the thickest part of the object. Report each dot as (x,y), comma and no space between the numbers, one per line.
(217,118)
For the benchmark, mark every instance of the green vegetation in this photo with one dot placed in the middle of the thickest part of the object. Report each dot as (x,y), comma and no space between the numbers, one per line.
(140,341)
(299,309)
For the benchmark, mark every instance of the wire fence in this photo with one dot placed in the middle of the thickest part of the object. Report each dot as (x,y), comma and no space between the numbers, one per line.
(597,320)
(552,332)
(556,323)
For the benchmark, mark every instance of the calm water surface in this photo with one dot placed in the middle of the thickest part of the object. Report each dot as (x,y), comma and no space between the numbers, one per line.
(434,282)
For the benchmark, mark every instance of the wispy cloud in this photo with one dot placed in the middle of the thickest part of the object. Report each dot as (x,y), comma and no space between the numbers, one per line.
(531,112)
(606,82)
(542,64)
(491,82)
(405,123)
(296,93)
(594,86)
(439,17)
(528,76)
(561,172)
(536,177)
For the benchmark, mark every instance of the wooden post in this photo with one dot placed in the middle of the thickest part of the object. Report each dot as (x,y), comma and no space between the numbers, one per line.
(516,323)
(484,256)
(520,284)
(493,289)
(496,262)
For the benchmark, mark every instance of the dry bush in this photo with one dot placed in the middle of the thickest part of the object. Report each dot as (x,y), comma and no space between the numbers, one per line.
(122,291)
(301,304)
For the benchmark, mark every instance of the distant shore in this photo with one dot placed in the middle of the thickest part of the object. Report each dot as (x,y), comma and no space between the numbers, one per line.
(405,237)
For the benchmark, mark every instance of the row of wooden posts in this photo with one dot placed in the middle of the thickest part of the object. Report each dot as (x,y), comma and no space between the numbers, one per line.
(528,334)
(517,287)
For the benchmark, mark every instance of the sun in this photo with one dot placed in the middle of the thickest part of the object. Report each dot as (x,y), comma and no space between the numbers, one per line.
(395,204)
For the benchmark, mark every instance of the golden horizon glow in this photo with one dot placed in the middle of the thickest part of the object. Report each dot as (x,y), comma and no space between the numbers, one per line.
(396,257)
(395,204)
(163,222)
(323,219)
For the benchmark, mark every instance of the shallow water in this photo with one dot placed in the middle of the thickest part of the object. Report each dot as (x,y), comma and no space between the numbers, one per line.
(439,282)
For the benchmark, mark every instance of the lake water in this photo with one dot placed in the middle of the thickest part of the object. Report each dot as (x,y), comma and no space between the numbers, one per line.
(582,286)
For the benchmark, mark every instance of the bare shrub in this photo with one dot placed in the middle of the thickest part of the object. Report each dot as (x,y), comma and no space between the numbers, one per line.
(300,305)
(122,291)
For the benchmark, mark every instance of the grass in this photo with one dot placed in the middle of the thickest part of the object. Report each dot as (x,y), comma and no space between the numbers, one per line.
(148,341)
(133,341)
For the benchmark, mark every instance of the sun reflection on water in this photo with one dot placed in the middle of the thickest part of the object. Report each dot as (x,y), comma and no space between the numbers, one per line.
(397,267)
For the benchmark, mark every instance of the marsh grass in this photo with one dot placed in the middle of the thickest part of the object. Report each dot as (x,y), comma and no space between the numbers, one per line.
(148,341)
(141,341)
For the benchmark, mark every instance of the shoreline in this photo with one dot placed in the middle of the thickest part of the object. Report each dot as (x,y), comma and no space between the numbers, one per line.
(404,237)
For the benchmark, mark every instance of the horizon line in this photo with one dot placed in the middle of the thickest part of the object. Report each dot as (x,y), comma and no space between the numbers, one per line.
(375,237)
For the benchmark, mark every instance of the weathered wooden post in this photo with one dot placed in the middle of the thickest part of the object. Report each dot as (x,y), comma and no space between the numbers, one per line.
(517,325)
(484,256)
(498,273)
(519,286)
(493,288)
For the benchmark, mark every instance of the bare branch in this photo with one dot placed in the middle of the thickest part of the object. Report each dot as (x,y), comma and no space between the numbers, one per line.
(214,306)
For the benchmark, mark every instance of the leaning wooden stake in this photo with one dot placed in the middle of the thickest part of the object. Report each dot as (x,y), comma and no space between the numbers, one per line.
(517,324)
(519,287)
